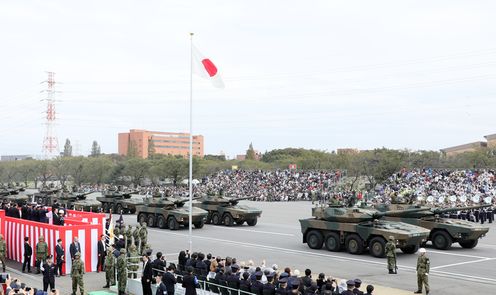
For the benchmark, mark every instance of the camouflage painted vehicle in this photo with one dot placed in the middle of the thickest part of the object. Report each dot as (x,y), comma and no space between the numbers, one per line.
(443,231)
(19,199)
(87,205)
(226,211)
(356,229)
(62,197)
(119,201)
(169,212)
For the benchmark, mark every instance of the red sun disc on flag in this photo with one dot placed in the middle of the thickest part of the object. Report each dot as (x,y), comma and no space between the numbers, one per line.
(209,67)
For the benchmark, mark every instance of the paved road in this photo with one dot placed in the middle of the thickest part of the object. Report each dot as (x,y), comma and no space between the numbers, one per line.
(277,239)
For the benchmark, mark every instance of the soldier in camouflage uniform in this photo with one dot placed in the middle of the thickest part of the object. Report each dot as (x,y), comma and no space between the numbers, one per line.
(41,253)
(3,251)
(146,250)
(110,267)
(133,262)
(77,272)
(423,267)
(391,255)
(136,236)
(122,272)
(129,236)
(143,233)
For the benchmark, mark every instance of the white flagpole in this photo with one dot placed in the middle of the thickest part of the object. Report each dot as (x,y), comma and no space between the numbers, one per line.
(191,146)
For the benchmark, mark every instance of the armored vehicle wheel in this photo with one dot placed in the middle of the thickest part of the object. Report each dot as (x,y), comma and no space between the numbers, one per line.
(199,224)
(228,220)
(468,244)
(118,208)
(105,207)
(240,222)
(161,222)
(151,221)
(142,218)
(441,240)
(252,222)
(409,249)
(172,223)
(315,239)
(332,242)
(377,247)
(215,218)
(354,244)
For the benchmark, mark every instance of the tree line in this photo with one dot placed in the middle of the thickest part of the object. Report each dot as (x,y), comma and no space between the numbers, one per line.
(377,165)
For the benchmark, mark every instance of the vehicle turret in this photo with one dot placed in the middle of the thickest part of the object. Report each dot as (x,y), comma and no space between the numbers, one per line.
(227,211)
(345,214)
(443,231)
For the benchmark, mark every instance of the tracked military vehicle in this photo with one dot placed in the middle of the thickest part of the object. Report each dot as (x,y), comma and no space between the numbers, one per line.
(355,229)
(119,201)
(169,212)
(443,231)
(226,211)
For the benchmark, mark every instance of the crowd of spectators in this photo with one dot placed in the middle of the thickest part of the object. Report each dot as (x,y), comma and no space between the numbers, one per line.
(14,286)
(259,279)
(440,187)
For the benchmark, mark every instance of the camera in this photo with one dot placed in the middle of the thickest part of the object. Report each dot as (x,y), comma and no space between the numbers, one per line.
(3,277)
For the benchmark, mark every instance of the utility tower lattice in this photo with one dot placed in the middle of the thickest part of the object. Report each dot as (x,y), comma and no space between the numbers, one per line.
(50,142)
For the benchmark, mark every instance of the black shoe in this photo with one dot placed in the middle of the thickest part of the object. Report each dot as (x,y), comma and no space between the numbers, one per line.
(417,292)
(391,271)
(106,286)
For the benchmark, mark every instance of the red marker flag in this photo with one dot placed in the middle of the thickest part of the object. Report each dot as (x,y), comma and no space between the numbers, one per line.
(205,68)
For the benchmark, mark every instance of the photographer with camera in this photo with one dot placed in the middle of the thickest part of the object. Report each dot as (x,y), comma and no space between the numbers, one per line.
(49,271)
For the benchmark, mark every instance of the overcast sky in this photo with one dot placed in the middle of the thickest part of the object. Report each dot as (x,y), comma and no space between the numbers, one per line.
(312,74)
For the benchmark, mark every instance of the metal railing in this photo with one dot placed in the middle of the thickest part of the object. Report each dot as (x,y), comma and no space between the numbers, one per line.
(205,287)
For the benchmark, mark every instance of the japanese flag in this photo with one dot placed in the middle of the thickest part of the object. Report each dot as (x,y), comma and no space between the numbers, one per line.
(205,68)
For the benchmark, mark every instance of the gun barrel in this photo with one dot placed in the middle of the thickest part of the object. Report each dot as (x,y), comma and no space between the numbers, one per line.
(240,199)
(439,211)
(398,212)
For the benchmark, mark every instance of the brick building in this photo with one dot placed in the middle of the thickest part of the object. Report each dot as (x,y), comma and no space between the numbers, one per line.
(141,142)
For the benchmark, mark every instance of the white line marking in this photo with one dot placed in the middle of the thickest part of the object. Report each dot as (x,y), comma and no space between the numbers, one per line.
(462,263)
(457,254)
(259,231)
(451,275)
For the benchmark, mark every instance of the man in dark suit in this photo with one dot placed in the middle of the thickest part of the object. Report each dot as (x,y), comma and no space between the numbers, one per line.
(161,288)
(28,252)
(146,277)
(74,248)
(102,250)
(60,258)
(169,280)
(48,270)
(189,282)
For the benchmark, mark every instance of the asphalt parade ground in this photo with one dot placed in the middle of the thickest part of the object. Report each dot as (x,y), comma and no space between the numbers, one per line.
(277,239)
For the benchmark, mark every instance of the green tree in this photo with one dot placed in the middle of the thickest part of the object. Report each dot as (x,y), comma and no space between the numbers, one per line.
(44,171)
(98,170)
(27,170)
(95,149)
(76,169)
(136,169)
(250,153)
(61,169)
(67,148)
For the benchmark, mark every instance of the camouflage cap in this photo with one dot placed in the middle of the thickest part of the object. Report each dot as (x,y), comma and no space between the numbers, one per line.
(123,251)
(132,247)
(391,238)
(77,254)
